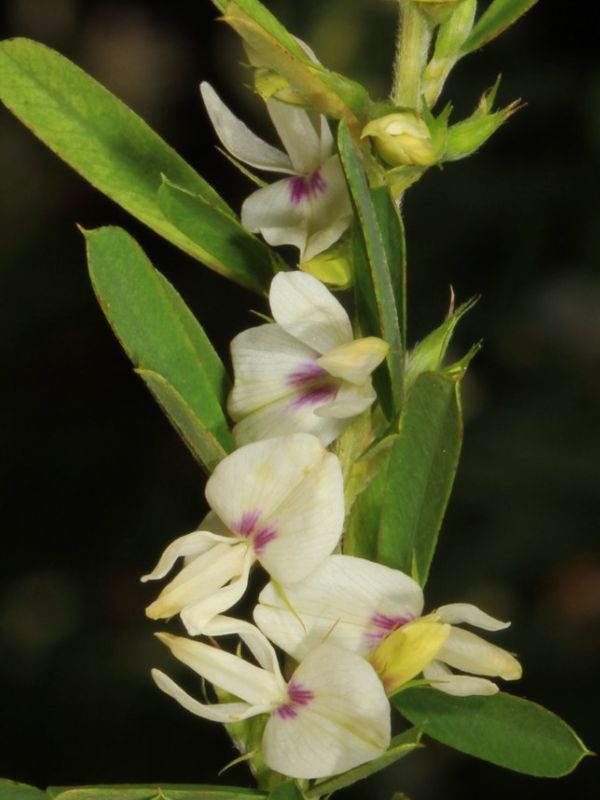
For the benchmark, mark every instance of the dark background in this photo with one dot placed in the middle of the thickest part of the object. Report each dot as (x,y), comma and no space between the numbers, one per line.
(95,482)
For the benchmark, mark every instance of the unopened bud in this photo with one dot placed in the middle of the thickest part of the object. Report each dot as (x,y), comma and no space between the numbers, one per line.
(332,267)
(467,136)
(402,138)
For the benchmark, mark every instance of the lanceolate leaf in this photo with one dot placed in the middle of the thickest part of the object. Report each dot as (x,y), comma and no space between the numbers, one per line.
(203,444)
(495,19)
(104,141)
(380,230)
(154,792)
(11,790)
(400,746)
(219,234)
(396,520)
(157,330)
(506,730)
(260,14)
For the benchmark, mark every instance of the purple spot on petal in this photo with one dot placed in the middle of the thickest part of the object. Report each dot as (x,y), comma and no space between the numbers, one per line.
(384,625)
(298,696)
(301,187)
(247,523)
(315,396)
(262,538)
(305,374)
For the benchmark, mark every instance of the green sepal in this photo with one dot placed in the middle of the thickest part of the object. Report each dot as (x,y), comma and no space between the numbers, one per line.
(505,730)
(101,138)
(428,355)
(497,17)
(289,790)
(161,337)
(397,519)
(235,251)
(400,746)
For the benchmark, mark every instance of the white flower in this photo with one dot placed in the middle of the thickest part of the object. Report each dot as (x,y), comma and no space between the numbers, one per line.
(311,208)
(375,611)
(280,501)
(306,372)
(331,715)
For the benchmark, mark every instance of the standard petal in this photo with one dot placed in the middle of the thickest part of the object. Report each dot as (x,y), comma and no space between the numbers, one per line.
(355,361)
(287,416)
(299,136)
(349,401)
(308,523)
(342,720)
(330,208)
(455,613)
(216,712)
(231,673)
(307,310)
(286,495)
(349,602)
(470,653)
(238,139)
(266,363)
(441,678)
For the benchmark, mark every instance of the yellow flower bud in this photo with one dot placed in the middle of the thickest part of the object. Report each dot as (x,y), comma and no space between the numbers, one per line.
(402,138)
(403,654)
(331,267)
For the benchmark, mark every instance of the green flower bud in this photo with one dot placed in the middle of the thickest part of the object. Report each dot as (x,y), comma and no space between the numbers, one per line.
(402,138)
(467,136)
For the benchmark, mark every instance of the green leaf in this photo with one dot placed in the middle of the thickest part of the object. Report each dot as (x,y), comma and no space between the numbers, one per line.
(101,138)
(220,234)
(396,520)
(203,444)
(161,336)
(154,791)
(400,746)
(384,246)
(11,790)
(498,16)
(506,730)
(287,791)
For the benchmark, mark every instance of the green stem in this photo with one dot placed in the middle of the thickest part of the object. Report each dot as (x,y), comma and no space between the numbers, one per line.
(414,37)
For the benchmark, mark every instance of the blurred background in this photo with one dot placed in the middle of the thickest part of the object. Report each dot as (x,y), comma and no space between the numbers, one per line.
(95,482)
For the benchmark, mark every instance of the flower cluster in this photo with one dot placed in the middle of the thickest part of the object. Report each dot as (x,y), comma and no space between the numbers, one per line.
(352,629)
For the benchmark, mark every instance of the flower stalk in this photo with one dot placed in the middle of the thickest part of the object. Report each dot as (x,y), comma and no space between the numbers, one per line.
(412,48)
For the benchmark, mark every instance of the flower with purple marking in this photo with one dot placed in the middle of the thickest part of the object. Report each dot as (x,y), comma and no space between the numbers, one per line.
(311,208)
(376,612)
(306,372)
(280,502)
(332,715)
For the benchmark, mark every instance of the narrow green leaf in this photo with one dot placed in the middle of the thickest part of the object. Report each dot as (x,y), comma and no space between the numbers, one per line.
(506,730)
(104,140)
(379,231)
(498,16)
(11,790)
(287,791)
(400,746)
(396,520)
(241,253)
(151,791)
(156,329)
(203,444)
